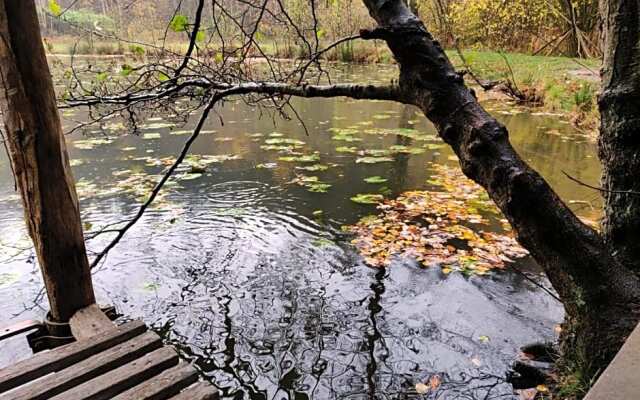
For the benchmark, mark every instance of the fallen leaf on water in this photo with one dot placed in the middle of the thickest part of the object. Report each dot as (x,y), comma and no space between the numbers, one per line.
(542,388)
(437,227)
(435,381)
(367,198)
(421,388)
(375,179)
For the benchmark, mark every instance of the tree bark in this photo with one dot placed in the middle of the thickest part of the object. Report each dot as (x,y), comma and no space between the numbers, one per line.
(600,294)
(620,128)
(40,162)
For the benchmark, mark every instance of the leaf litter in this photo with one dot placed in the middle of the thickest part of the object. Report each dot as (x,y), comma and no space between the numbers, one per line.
(443,227)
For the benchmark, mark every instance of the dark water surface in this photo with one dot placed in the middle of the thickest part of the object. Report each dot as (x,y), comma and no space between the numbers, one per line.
(268,298)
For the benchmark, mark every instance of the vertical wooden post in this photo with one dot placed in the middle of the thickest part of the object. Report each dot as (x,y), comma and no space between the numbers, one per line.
(40,162)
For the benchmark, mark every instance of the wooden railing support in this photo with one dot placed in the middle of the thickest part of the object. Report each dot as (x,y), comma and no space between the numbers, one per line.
(39,159)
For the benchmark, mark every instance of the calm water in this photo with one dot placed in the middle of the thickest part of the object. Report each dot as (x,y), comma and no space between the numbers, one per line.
(269,300)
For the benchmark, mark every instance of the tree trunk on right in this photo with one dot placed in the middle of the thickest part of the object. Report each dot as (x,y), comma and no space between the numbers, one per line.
(595,274)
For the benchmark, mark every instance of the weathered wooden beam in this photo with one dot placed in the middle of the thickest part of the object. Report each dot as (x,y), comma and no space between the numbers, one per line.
(162,386)
(18,328)
(106,386)
(621,379)
(88,322)
(199,391)
(40,162)
(62,357)
(87,369)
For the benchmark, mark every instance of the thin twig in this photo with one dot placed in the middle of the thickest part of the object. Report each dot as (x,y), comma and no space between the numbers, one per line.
(600,189)
(154,193)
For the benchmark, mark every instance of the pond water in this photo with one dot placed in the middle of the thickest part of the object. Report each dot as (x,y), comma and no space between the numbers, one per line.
(241,270)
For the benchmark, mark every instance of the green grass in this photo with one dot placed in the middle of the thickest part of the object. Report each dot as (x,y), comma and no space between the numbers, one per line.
(566,85)
(526,69)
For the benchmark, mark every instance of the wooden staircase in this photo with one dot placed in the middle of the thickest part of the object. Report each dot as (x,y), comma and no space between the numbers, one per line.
(119,362)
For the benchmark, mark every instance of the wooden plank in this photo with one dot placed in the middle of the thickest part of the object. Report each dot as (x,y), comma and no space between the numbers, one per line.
(88,322)
(52,361)
(621,379)
(199,391)
(86,369)
(162,386)
(18,328)
(119,380)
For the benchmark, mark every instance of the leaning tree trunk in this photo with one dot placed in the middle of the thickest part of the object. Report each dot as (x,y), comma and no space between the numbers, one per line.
(600,292)
(40,162)
(620,128)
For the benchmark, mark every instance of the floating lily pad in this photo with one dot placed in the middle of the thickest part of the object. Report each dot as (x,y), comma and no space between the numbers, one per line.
(367,198)
(314,168)
(151,136)
(278,148)
(294,142)
(318,187)
(267,166)
(209,159)
(89,144)
(182,132)
(303,158)
(189,176)
(228,211)
(8,278)
(375,179)
(344,131)
(398,148)
(377,152)
(158,125)
(150,286)
(373,160)
(345,149)
(346,138)
(322,242)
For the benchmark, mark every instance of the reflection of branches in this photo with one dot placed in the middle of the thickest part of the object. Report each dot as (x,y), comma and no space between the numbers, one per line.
(373,336)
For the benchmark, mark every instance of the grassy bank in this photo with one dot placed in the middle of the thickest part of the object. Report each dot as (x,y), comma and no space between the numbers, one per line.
(565,85)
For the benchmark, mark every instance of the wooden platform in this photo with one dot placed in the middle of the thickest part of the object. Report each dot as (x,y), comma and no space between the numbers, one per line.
(125,362)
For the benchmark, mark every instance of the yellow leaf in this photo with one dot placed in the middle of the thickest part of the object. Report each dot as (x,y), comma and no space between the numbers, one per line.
(542,388)
(421,388)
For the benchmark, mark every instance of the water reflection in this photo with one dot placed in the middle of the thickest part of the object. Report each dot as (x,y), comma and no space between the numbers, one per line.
(267,297)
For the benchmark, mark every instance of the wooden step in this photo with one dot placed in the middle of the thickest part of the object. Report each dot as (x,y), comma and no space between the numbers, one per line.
(87,369)
(55,360)
(112,383)
(199,391)
(162,386)
(106,363)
